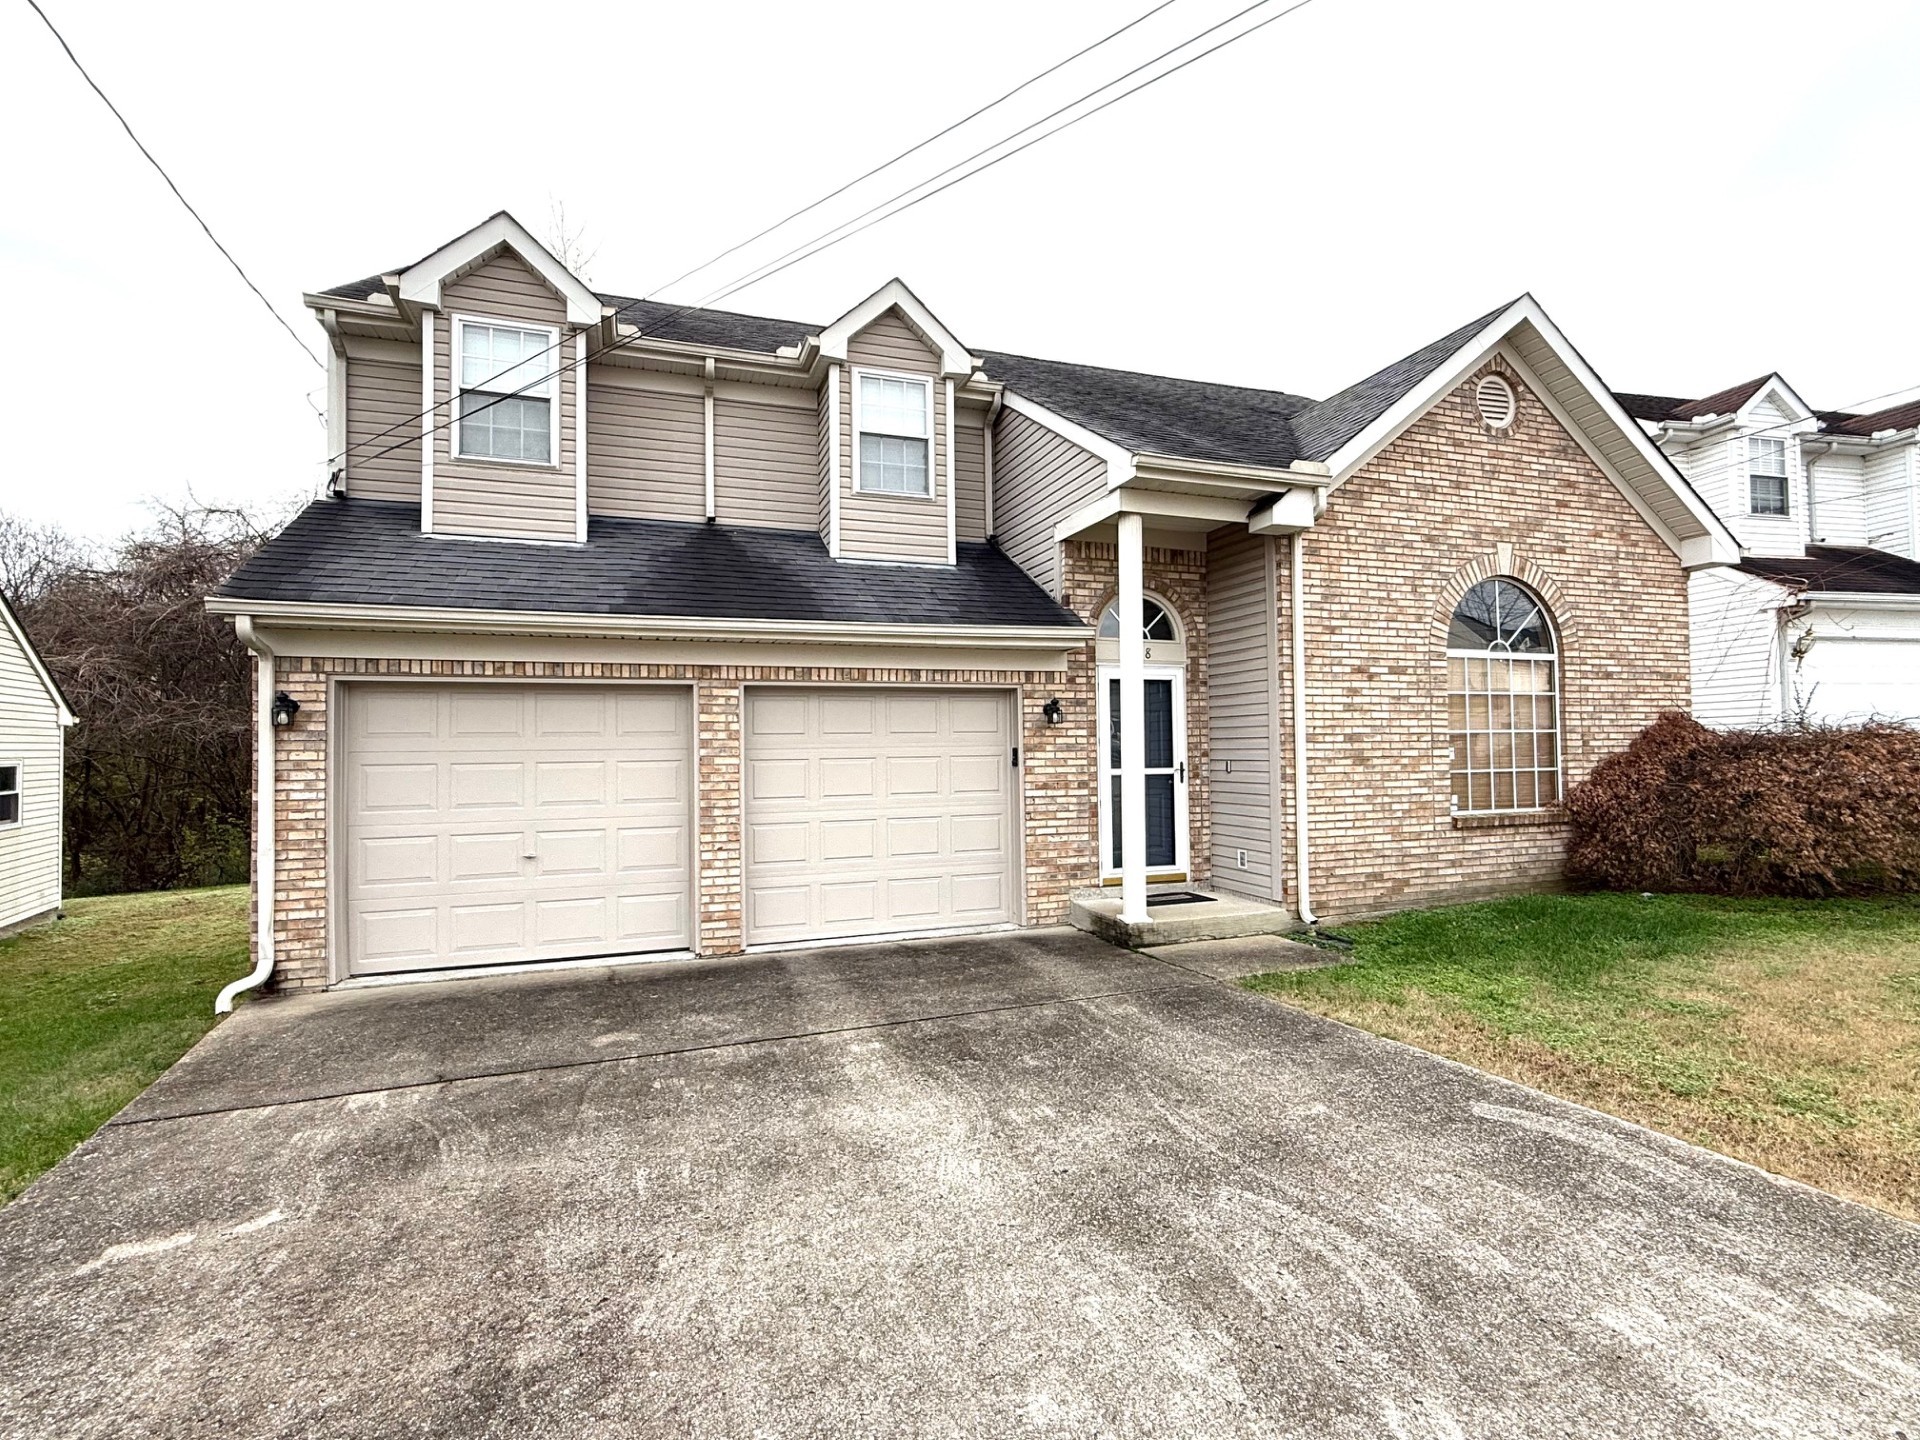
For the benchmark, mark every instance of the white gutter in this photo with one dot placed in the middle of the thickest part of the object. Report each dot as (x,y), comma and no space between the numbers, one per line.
(263,816)
(293,613)
(1297,586)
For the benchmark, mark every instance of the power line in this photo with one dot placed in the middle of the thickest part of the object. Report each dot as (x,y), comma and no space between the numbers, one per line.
(1026,84)
(161,169)
(829,238)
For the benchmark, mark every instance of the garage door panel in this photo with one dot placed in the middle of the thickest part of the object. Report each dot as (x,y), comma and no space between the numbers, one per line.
(862,805)
(521,826)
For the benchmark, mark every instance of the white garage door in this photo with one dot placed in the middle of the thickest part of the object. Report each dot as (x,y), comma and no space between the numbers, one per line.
(492,823)
(1853,680)
(874,812)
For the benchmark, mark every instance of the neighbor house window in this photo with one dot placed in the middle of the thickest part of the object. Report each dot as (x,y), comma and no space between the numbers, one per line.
(893,423)
(1503,707)
(1766,476)
(9,794)
(505,401)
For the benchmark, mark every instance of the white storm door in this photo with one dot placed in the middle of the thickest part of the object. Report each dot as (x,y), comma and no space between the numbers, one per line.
(487,824)
(879,812)
(1166,752)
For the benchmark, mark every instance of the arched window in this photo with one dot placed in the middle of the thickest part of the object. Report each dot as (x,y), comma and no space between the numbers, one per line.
(1156,623)
(1503,700)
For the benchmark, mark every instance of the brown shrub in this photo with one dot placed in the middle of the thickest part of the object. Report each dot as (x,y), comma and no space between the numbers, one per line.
(1809,811)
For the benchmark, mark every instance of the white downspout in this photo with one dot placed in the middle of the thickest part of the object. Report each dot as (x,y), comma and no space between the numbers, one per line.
(263,815)
(1296,599)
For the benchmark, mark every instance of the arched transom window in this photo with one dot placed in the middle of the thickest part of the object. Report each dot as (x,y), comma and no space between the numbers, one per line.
(1503,709)
(1156,623)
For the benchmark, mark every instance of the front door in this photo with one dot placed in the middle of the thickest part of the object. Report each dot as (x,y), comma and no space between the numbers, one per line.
(1166,752)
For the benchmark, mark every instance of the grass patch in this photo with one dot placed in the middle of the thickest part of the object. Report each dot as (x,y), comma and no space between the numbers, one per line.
(1783,1032)
(97,1005)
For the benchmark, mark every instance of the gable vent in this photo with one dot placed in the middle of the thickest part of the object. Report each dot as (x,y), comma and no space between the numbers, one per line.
(1495,399)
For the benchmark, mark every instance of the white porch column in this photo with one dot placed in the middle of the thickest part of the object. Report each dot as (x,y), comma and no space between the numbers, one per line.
(1133,721)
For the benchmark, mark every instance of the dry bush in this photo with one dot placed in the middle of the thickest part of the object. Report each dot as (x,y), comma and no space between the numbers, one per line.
(1807,811)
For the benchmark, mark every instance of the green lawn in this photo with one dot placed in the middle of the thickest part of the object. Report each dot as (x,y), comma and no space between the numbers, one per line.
(95,1006)
(1784,1032)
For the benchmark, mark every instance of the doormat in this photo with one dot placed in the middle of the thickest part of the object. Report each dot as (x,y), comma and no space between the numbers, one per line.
(1184,897)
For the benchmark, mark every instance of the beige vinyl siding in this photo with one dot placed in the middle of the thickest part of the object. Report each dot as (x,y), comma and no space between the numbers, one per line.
(646,453)
(823,438)
(1039,478)
(383,391)
(30,737)
(1240,720)
(909,528)
(765,463)
(485,497)
(970,472)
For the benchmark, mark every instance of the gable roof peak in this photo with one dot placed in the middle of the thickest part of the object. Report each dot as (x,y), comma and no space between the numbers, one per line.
(421,281)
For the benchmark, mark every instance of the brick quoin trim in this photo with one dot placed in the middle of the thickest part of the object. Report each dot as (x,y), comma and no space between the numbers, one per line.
(1055,767)
(1446,504)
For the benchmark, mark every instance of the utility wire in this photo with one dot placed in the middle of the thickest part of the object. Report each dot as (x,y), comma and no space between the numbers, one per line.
(162,170)
(827,239)
(808,208)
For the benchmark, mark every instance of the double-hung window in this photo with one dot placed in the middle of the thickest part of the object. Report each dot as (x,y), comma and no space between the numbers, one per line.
(893,428)
(504,375)
(1766,476)
(9,794)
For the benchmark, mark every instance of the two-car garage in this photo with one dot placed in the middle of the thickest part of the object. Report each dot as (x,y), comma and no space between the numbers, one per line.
(488,824)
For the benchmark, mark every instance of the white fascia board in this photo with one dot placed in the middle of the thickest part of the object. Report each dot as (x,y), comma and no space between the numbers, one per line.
(296,615)
(955,359)
(1119,459)
(1173,467)
(1854,600)
(1207,510)
(1773,385)
(45,677)
(1287,514)
(1474,352)
(420,283)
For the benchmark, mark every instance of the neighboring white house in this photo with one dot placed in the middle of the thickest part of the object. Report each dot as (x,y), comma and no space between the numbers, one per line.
(1821,620)
(33,721)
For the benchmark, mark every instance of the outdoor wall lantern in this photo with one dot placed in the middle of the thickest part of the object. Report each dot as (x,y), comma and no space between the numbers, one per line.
(285,707)
(1053,713)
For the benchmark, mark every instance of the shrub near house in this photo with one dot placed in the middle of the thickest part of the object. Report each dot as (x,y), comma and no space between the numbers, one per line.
(1819,810)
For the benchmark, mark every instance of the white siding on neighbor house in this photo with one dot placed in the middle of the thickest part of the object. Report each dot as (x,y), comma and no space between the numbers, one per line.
(1767,534)
(970,472)
(1889,499)
(1733,635)
(30,737)
(646,453)
(1241,614)
(1839,506)
(1039,478)
(383,393)
(908,528)
(1858,664)
(766,460)
(488,497)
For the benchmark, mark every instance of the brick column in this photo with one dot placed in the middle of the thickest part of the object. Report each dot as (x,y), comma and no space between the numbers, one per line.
(717,861)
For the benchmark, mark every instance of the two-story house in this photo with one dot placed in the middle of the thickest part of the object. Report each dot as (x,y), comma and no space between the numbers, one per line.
(1821,620)
(677,631)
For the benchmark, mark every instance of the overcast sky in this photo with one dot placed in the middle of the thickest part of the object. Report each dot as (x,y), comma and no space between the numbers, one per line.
(1698,191)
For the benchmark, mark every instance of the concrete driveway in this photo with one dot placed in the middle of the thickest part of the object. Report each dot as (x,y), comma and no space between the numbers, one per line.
(987,1187)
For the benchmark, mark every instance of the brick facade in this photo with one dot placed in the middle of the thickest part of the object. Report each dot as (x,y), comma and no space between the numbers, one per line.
(1446,504)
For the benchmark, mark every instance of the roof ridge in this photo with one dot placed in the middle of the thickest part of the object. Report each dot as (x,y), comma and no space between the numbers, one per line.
(1148,374)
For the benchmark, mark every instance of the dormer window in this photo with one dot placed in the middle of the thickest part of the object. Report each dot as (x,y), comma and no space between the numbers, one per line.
(1766,476)
(505,393)
(893,434)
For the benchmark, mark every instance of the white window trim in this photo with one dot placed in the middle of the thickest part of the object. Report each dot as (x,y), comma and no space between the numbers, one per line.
(19,768)
(925,382)
(1559,721)
(456,348)
(1785,477)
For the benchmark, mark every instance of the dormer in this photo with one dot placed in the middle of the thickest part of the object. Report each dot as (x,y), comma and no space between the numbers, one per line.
(893,427)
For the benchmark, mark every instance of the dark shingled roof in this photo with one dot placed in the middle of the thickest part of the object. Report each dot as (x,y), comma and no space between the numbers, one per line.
(1672,407)
(1158,415)
(371,552)
(1322,430)
(1897,417)
(1848,569)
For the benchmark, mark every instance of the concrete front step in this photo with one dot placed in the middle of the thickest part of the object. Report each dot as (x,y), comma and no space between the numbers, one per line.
(1221,917)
